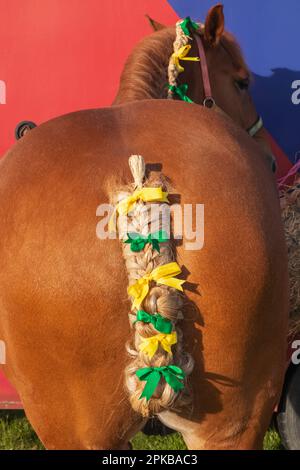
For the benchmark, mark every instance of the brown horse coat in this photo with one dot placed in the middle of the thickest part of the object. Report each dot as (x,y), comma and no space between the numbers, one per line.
(63,302)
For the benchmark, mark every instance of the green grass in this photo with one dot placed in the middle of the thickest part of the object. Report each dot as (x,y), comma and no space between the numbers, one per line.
(272,441)
(17,434)
(170,442)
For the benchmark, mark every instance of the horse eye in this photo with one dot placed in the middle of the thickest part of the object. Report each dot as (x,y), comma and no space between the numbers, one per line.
(243,83)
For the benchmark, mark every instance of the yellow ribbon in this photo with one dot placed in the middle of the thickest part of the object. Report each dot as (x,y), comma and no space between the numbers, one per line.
(150,345)
(161,275)
(181,55)
(144,194)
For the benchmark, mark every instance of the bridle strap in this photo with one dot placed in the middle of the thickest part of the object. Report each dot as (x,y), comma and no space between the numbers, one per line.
(208,102)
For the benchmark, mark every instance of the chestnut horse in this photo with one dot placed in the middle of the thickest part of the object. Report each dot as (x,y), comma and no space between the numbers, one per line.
(64,312)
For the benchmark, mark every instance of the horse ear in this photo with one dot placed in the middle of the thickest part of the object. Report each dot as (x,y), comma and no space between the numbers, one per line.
(214,24)
(154,24)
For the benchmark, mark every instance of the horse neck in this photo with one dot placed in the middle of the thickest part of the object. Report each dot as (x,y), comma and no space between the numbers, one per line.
(145,75)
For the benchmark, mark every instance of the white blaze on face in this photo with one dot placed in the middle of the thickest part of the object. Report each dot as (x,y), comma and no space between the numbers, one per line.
(2,353)
(296,94)
(2,92)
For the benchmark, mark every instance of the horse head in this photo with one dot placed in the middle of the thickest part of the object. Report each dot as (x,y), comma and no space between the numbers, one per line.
(228,77)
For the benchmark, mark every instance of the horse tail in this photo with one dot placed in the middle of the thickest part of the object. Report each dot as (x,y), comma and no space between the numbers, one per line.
(156,376)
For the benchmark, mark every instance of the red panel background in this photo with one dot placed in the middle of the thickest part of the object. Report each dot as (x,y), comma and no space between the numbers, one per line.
(59,56)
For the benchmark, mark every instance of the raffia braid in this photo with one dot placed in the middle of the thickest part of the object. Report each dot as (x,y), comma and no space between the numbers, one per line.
(161,299)
(182,39)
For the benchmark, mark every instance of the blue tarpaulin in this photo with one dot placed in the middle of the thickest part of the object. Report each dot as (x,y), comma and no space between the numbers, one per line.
(269,34)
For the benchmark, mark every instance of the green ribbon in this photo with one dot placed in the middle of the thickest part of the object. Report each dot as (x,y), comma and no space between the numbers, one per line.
(152,375)
(188,26)
(161,324)
(138,242)
(181,91)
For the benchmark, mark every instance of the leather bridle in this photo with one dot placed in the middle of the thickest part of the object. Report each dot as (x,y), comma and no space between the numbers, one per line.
(209,101)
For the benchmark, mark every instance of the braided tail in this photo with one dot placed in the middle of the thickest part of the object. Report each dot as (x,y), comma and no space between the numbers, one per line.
(157,373)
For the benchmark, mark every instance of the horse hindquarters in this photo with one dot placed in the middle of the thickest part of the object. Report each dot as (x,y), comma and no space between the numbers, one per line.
(239,344)
(67,313)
